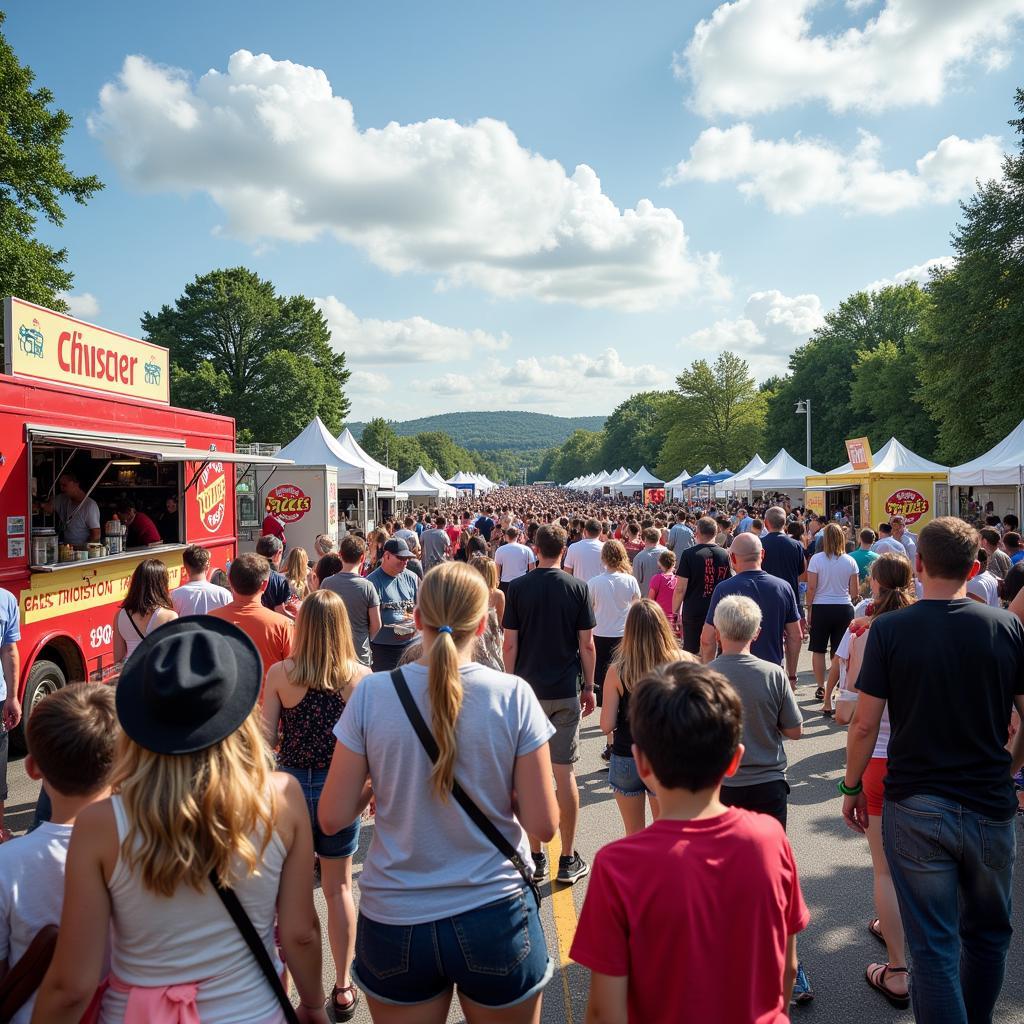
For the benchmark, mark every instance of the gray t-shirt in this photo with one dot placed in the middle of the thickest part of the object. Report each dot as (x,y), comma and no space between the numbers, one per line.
(645,567)
(434,544)
(76,519)
(768,706)
(680,537)
(359,596)
(427,860)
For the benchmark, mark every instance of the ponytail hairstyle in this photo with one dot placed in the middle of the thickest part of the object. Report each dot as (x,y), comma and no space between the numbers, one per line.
(895,585)
(452,600)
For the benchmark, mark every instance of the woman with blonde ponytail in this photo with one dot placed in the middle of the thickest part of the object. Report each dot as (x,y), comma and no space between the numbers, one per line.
(440,907)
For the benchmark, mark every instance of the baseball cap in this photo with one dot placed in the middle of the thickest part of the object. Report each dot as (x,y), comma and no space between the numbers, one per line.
(397,546)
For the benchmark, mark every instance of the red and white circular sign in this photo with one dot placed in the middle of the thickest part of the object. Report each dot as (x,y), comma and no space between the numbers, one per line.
(908,503)
(211,494)
(288,502)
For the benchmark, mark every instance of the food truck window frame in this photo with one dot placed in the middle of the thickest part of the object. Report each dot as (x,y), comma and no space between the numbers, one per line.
(155,449)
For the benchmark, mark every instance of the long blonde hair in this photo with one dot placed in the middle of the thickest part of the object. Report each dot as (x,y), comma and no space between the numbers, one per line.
(487,568)
(647,642)
(190,814)
(323,654)
(296,570)
(454,595)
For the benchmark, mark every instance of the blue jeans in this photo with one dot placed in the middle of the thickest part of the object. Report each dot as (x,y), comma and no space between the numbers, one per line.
(341,844)
(952,869)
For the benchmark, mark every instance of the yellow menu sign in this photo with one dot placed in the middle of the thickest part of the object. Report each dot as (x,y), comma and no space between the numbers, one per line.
(43,345)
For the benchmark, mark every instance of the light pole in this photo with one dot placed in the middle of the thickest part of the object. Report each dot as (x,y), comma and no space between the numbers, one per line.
(803,408)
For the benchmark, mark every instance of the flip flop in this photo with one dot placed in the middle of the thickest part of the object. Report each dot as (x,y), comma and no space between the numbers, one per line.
(875,927)
(875,976)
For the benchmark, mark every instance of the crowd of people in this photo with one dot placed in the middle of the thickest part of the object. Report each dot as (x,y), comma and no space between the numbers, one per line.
(432,675)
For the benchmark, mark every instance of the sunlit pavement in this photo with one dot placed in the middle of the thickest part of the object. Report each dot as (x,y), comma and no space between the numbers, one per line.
(835,872)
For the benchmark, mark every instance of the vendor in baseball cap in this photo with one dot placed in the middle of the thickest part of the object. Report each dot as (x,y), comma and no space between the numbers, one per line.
(188,685)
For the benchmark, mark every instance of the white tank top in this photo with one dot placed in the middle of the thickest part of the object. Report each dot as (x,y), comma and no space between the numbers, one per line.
(129,633)
(158,941)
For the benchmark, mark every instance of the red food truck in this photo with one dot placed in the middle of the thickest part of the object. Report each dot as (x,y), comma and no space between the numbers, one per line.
(86,411)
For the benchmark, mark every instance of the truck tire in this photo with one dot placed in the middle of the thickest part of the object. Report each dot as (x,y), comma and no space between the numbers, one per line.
(45,678)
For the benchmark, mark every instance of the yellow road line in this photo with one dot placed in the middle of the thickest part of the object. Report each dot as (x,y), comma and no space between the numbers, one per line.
(564,909)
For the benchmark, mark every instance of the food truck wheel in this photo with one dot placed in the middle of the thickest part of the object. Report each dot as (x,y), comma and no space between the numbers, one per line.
(45,678)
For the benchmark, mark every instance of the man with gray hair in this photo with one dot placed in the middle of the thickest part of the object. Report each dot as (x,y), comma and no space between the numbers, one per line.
(780,617)
(770,711)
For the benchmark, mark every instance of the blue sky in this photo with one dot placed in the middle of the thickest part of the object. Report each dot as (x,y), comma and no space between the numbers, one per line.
(743,168)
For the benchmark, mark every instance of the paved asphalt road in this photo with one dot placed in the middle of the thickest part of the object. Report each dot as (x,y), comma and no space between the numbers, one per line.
(835,873)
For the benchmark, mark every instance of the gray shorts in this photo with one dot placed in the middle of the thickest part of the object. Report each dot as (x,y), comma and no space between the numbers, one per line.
(565,715)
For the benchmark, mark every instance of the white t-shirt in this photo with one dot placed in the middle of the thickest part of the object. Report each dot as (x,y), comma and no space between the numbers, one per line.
(843,653)
(611,594)
(197,597)
(986,587)
(833,577)
(513,560)
(889,545)
(31,892)
(584,558)
(74,526)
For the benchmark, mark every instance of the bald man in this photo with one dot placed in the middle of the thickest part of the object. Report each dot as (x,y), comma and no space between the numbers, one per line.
(780,636)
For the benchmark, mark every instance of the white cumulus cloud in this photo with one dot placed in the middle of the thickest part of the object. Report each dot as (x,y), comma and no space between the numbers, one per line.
(84,306)
(754,56)
(412,340)
(920,273)
(793,176)
(366,382)
(284,158)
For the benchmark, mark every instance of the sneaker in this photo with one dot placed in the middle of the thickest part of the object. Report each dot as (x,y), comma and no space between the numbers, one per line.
(540,867)
(802,987)
(572,869)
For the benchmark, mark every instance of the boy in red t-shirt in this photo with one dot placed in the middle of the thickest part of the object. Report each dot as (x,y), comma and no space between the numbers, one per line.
(672,910)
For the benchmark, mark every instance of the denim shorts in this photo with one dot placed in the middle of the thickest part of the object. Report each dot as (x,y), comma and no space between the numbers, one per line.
(496,955)
(341,844)
(624,778)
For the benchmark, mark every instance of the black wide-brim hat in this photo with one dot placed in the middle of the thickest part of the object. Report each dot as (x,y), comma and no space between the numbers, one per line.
(188,685)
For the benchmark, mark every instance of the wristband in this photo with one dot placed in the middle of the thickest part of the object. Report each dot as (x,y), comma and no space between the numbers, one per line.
(850,790)
(588,687)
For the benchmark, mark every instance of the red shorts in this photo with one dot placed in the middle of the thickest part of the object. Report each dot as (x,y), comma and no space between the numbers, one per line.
(873,782)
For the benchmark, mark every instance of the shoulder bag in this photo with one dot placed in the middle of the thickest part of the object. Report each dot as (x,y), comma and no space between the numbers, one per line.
(255,943)
(25,976)
(462,798)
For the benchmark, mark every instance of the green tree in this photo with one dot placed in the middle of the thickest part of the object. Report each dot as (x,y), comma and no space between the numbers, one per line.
(379,440)
(716,417)
(967,355)
(34,181)
(822,370)
(884,392)
(580,454)
(635,432)
(226,336)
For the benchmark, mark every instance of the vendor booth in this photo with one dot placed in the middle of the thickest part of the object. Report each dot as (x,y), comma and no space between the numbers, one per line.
(781,479)
(871,488)
(990,484)
(737,483)
(422,490)
(674,487)
(642,486)
(385,479)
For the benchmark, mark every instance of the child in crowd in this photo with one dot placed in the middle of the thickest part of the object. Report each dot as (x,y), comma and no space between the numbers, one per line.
(645,930)
(663,584)
(71,738)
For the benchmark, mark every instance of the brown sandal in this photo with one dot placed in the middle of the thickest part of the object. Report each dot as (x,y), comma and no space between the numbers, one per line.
(875,927)
(342,1012)
(875,976)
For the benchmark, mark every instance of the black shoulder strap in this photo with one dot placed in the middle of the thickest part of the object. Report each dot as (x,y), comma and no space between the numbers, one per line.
(255,943)
(462,798)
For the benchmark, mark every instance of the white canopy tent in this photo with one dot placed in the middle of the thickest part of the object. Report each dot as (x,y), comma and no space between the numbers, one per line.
(996,477)
(738,481)
(618,476)
(445,489)
(419,485)
(674,487)
(380,474)
(783,474)
(642,478)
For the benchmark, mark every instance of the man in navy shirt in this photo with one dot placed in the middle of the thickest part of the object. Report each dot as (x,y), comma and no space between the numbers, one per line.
(780,618)
(784,557)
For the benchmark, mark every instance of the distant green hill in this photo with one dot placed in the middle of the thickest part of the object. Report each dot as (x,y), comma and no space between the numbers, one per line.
(497,431)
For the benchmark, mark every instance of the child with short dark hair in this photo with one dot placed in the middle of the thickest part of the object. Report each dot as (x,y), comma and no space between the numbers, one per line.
(71,737)
(671,910)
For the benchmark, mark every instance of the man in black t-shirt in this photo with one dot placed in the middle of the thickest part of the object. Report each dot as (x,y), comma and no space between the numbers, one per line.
(950,670)
(701,568)
(549,640)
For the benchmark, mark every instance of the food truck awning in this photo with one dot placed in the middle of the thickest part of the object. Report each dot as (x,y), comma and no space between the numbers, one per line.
(159,449)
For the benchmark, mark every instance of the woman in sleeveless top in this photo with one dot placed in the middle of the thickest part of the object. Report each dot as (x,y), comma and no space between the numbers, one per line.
(146,606)
(489,644)
(302,702)
(647,642)
(194,799)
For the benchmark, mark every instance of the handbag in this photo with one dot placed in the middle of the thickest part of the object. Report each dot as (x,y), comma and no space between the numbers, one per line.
(255,943)
(25,977)
(462,798)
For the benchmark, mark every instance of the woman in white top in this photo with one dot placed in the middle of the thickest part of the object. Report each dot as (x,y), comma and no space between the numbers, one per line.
(833,588)
(194,798)
(441,907)
(611,594)
(891,590)
(146,606)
